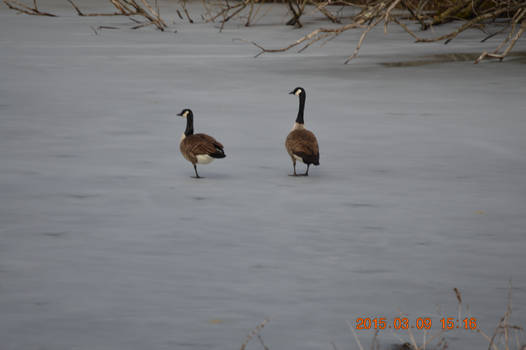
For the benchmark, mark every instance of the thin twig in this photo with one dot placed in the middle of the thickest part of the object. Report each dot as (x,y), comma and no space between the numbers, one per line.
(261,342)
(183,5)
(362,38)
(23,8)
(253,333)
(82,14)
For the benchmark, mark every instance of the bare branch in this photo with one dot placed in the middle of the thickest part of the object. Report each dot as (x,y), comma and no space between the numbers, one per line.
(253,333)
(129,8)
(183,5)
(80,13)
(362,38)
(23,8)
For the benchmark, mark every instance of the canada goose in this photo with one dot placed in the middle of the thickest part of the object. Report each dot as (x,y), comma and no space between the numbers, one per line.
(198,148)
(301,143)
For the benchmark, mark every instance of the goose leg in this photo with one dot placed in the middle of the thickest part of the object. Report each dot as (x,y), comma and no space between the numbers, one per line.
(307,172)
(196,174)
(294,164)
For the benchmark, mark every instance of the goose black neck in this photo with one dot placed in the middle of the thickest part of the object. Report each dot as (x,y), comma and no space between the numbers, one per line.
(299,119)
(189,125)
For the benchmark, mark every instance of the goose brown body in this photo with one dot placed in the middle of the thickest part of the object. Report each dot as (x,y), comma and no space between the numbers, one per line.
(301,144)
(196,145)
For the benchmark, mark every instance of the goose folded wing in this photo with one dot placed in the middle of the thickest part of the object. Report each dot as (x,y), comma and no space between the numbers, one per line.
(204,144)
(308,154)
(304,147)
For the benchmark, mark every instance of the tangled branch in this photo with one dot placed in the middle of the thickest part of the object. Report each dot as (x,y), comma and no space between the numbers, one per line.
(372,15)
(475,12)
(225,11)
(130,8)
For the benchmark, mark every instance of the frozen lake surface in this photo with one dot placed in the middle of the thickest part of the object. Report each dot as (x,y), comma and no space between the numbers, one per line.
(107,243)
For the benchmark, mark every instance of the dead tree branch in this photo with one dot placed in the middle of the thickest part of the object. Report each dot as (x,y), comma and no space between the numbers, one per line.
(516,37)
(322,7)
(374,15)
(228,11)
(450,36)
(297,7)
(185,10)
(253,333)
(376,12)
(130,8)
(121,12)
(23,8)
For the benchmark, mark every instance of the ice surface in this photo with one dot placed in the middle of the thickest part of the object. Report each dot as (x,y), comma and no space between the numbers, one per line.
(107,243)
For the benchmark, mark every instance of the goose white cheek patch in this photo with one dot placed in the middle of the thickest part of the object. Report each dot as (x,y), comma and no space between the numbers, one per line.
(298,92)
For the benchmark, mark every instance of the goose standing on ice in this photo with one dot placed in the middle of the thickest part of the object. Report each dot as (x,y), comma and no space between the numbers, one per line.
(198,148)
(301,143)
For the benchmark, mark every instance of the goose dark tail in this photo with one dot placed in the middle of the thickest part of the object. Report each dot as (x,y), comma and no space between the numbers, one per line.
(310,158)
(219,153)
(315,159)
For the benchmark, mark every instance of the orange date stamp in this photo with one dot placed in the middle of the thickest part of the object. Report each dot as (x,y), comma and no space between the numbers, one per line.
(420,323)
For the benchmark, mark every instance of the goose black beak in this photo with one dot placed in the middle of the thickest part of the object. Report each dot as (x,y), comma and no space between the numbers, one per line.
(291,93)
(180,114)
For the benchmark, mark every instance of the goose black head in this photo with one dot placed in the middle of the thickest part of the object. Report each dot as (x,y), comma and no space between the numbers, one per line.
(186,113)
(299,91)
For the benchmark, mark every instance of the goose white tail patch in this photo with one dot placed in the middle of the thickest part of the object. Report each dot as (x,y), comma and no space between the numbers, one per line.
(204,159)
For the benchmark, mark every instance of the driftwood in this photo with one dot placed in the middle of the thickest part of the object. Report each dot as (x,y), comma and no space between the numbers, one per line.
(23,8)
